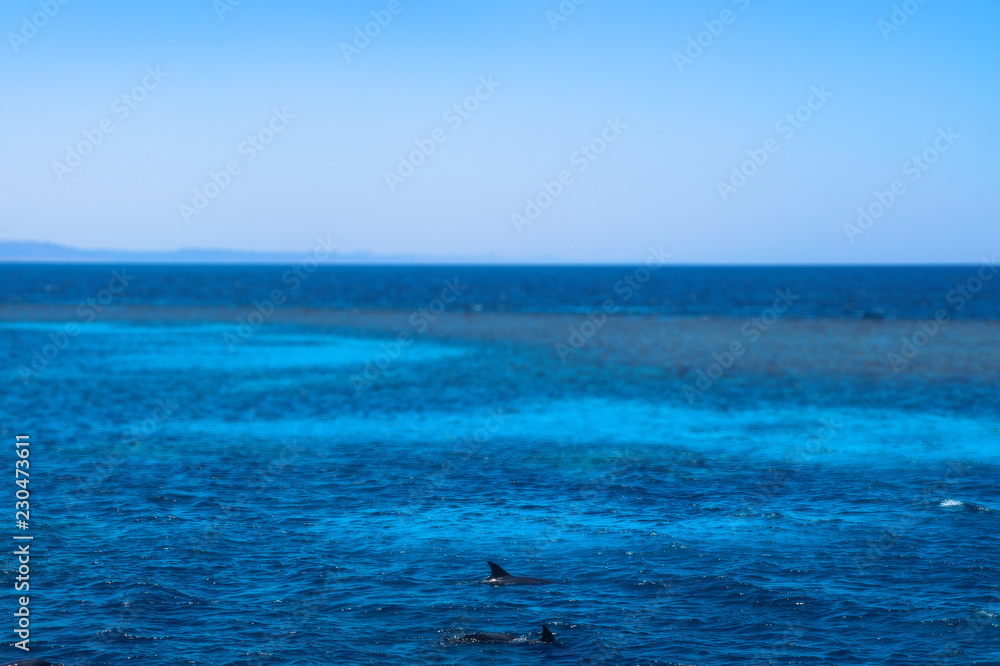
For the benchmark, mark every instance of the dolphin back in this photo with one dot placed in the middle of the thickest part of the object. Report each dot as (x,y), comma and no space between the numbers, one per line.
(487,637)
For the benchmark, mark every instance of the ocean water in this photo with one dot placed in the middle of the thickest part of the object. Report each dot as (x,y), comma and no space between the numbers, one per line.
(218,477)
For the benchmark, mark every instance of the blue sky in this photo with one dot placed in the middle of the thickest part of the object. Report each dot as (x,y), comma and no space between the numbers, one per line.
(664,174)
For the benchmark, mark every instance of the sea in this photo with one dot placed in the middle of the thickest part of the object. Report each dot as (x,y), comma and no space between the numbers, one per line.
(312,464)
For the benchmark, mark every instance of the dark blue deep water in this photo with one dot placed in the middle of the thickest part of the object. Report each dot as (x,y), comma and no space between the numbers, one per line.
(218,481)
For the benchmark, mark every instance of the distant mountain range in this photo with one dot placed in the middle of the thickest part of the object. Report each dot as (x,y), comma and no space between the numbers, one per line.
(38,252)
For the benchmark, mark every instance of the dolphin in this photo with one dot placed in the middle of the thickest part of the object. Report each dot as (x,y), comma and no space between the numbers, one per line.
(29,662)
(488,637)
(500,577)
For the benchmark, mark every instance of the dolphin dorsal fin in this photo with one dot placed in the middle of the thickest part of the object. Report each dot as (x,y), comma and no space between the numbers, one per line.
(496,570)
(547,636)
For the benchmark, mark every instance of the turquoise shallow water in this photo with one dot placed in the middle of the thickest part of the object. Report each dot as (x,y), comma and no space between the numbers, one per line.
(196,505)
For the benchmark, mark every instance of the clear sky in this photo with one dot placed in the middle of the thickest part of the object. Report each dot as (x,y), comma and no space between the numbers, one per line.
(668,125)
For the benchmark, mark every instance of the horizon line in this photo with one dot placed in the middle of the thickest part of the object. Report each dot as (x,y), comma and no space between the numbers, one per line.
(474,264)
(49,253)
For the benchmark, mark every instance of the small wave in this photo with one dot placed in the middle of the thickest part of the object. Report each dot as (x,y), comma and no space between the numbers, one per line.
(968,506)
